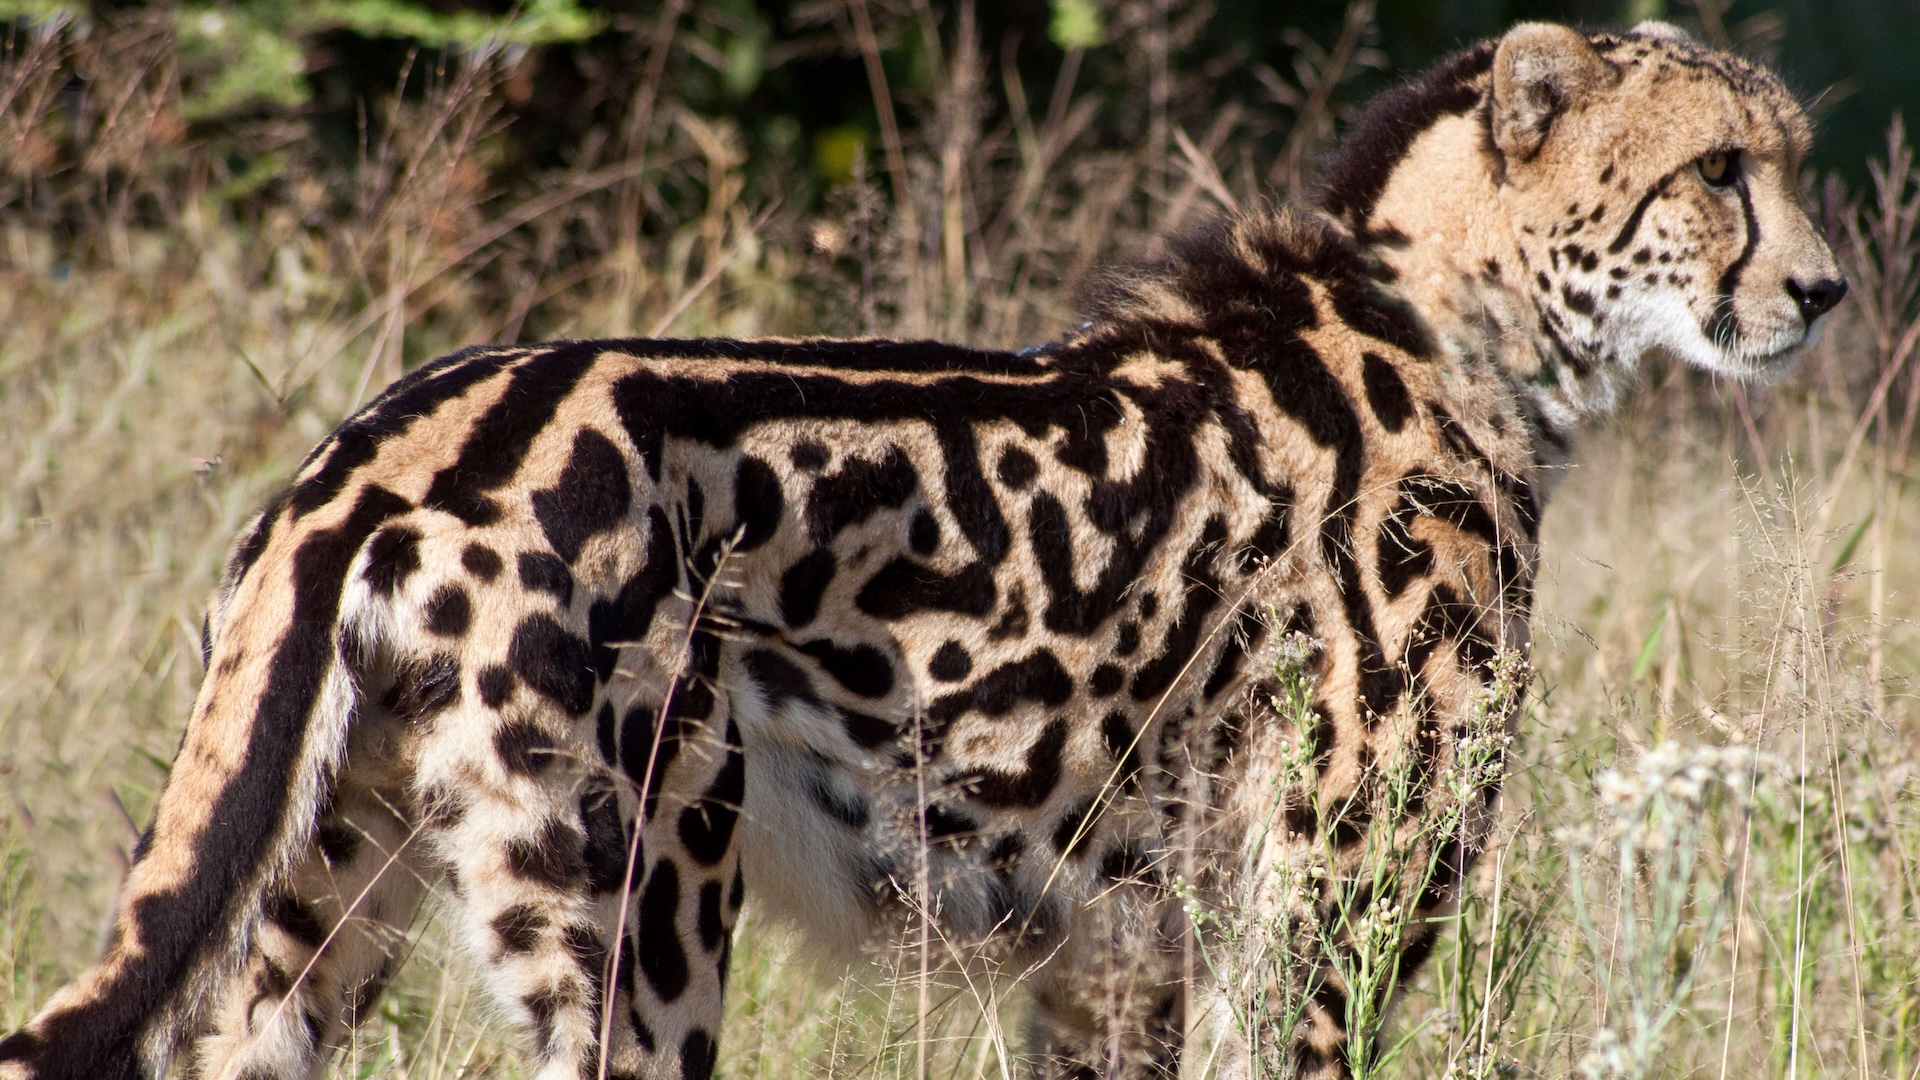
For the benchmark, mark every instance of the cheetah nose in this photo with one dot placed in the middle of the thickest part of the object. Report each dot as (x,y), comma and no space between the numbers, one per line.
(1818,298)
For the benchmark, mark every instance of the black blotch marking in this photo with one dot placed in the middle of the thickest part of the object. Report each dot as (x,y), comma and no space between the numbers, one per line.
(1128,639)
(542,1006)
(553,857)
(856,492)
(1130,861)
(1452,502)
(706,828)
(495,684)
(712,929)
(808,456)
(802,586)
(392,556)
(590,497)
(782,679)
(523,748)
(1389,236)
(642,740)
(518,927)
(449,611)
(1414,951)
(295,919)
(992,787)
(903,587)
(423,690)
(1117,732)
(947,826)
(607,840)
(1403,557)
(662,960)
(866,731)
(543,571)
(1183,637)
(698,1053)
(951,663)
(606,733)
(1105,681)
(861,668)
(1076,828)
(1017,468)
(627,616)
(338,842)
(1246,627)
(554,662)
(923,535)
(758,502)
(1578,299)
(481,561)
(1039,677)
(1386,392)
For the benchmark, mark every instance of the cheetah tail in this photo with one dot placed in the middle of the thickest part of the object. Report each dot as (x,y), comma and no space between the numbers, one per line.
(264,740)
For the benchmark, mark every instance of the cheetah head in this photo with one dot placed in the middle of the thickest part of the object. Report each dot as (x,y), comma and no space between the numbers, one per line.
(1649,182)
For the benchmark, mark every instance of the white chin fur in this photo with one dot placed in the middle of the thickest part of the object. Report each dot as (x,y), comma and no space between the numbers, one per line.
(1665,323)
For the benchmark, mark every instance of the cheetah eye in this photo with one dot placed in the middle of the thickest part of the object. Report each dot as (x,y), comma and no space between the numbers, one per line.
(1719,168)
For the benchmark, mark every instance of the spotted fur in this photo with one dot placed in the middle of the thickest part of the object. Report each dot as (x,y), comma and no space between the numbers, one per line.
(606,636)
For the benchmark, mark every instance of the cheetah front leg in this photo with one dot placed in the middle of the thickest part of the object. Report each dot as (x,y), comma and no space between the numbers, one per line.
(1112,1005)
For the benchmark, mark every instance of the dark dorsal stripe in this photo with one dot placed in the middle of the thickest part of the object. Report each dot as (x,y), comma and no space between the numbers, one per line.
(500,439)
(390,415)
(1389,126)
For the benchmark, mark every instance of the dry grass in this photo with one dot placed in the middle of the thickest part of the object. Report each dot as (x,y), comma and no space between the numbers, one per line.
(1709,862)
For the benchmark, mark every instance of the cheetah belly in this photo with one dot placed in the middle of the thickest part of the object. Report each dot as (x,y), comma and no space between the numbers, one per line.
(832,845)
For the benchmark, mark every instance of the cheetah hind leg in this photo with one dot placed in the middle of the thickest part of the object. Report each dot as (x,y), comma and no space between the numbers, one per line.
(324,945)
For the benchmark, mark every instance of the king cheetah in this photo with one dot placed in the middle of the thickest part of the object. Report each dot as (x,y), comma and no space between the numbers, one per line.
(604,637)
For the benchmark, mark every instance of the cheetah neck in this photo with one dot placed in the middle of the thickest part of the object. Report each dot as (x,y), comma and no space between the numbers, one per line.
(1442,231)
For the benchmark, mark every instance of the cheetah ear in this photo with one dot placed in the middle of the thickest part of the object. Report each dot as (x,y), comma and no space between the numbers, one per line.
(1541,70)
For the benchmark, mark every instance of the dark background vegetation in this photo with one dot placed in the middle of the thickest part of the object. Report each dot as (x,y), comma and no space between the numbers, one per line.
(791,75)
